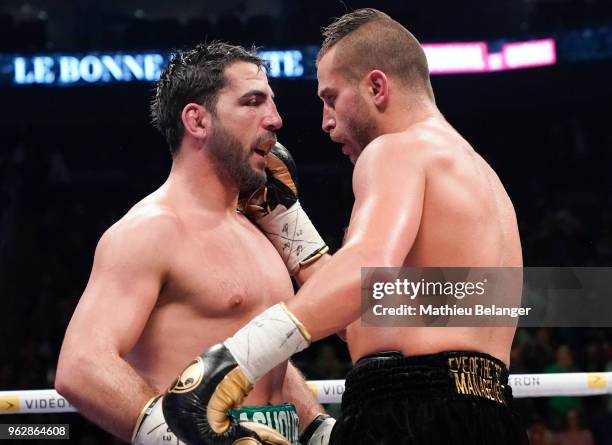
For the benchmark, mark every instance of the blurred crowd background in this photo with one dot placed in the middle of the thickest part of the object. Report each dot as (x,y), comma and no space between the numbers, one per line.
(74,160)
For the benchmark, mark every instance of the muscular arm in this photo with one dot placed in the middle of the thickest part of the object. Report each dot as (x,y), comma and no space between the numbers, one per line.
(296,391)
(389,185)
(125,281)
(309,270)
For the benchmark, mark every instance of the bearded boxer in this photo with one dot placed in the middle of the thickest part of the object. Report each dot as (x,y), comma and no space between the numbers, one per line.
(183,269)
(423,197)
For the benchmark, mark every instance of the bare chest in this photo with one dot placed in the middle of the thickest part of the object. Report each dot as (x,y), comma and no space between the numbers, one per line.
(230,270)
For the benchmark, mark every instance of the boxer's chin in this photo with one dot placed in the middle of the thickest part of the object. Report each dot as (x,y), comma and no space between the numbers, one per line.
(251,178)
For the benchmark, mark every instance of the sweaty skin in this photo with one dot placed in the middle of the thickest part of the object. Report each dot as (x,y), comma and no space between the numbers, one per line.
(466,219)
(216,270)
(423,197)
(178,273)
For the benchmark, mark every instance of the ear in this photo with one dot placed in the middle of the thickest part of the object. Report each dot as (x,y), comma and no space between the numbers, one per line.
(196,121)
(378,88)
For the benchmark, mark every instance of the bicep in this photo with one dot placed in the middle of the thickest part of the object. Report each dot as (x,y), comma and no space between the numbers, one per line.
(122,291)
(389,192)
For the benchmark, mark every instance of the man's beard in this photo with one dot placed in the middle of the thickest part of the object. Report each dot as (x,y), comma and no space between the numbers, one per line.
(231,161)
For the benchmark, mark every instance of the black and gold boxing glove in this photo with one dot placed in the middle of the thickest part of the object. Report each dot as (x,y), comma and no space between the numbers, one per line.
(276,210)
(195,409)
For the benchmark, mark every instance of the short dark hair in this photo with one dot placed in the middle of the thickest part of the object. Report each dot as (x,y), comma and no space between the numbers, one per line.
(370,39)
(194,75)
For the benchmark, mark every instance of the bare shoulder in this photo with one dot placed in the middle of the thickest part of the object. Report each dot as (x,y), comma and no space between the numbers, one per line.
(439,142)
(389,152)
(434,140)
(387,147)
(147,230)
(390,163)
(418,148)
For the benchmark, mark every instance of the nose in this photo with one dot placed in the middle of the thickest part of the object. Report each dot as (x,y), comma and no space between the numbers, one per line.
(273,121)
(329,123)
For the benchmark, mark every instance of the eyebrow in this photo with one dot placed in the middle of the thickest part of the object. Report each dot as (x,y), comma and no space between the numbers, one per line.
(258,93)
(325,92)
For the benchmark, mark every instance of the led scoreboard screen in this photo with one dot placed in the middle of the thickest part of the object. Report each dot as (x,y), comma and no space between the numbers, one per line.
(66,70)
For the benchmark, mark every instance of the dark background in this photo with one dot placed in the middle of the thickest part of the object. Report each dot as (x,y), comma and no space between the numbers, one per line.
(74,160)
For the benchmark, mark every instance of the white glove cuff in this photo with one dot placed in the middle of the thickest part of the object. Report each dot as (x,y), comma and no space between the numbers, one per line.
(151,427)
(323,432)
(266,341)
(294,236)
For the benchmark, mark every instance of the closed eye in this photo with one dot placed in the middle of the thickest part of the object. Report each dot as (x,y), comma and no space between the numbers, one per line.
(253,101)
(329,100)
(328,96)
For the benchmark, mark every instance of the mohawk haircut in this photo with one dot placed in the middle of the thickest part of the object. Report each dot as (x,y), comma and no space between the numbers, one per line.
(368,39)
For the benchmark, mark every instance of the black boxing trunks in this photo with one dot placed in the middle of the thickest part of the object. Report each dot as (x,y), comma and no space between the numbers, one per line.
(446,398)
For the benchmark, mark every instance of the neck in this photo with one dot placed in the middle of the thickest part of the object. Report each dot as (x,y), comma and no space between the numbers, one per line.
(404,115)
(194,181)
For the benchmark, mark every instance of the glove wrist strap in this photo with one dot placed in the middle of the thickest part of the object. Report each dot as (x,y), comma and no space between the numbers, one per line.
(151,427)
(293,235)
(266,341)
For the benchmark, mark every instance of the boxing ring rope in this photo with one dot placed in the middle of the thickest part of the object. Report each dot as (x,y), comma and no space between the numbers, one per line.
(45,401)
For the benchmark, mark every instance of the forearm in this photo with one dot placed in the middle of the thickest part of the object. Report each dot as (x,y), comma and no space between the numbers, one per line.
(106,390)
(327,303)
(309,270)
(296,391)
(330,300)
